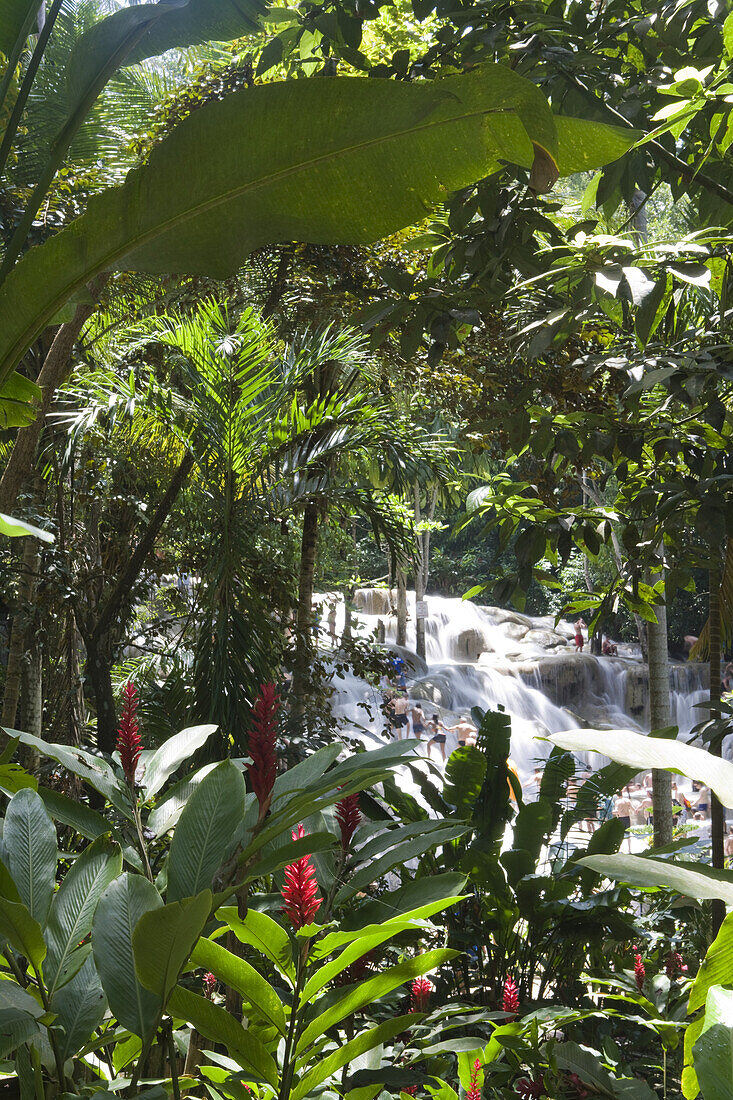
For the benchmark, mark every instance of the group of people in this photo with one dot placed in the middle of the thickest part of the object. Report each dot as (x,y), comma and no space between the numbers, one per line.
(608,648)
(406,717)
(634,806)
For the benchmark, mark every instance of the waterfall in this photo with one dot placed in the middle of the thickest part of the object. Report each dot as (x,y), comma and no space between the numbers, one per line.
(493,657)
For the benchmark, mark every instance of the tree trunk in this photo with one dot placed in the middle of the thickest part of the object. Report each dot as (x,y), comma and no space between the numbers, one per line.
(660,718)
(19,632)
(420,575)
(717,812)
(401,608)
(98,669)
(32,698)
(55,369)
(305,618)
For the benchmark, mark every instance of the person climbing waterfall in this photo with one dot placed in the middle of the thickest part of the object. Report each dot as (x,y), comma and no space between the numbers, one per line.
(401,706)
(418,721)
(438,730)
(580,626)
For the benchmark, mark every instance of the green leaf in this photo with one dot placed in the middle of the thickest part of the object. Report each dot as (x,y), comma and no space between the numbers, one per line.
(288,853)
(164,938)
(18,397)
(690,879)
(713,1051)
(14,778)
(16,19)
(163,26)
(79,1007)
(371,990)
(643,753)
(433,834)
(93,769)
(205,831)
(264,934)
(406,901)
(76,814)
(340,161)
(716,967)
(30,842)
(347,1052)
(238,974)
(465,770)
(583,145)
(120,907)
(172,753)
(72,909)
(215,1023)
(16,528)
(167,812)
(363,941)
(16,1028)
(22,932)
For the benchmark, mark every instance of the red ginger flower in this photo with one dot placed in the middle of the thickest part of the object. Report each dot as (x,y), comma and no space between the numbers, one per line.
(420,995)
(639,971)
(301,888)
(262,737)
(348,816)
(474,1090)
(530,1088)
(209,983)
(510,997)
(674,964)
(129,744)
(411,1090)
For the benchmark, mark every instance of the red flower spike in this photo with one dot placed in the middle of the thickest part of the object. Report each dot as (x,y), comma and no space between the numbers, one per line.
(474,1090)
(301,888)
(639,971)
(510,997)
(262,738)
(209,983)
(129,744)
(420,991)
(674,965)
(348,816)
(530,1088)
(411,1090)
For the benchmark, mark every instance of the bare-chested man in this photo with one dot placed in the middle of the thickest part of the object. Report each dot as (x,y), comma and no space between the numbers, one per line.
(401,707)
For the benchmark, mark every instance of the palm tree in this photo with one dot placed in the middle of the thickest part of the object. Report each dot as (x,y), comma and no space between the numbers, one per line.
(338,446)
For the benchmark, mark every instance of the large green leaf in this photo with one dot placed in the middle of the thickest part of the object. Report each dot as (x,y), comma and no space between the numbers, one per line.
(17,528)
(367,991)
(717,966)
(464,777)
(79,1007)
(264,934)
(347,1052)
(642,753)
(583,145)
(16,19)
(713,1051)
(691,879)
(30,842)
(434,834)
(217,1024)
(118,911)
(164,938)
(205,831)
(147,30)
(171,754)
(79,762)
(22,932)
(76,814)
(72,910)
(240,975)
(167,812)
(345,160)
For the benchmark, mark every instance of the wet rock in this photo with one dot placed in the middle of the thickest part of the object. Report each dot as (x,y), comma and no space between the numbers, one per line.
(469,644)
(501,615)
(375,601)
(548,639)
(415,665)
(513,630)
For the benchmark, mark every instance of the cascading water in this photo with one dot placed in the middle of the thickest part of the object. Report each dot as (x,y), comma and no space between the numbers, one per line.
(490,657)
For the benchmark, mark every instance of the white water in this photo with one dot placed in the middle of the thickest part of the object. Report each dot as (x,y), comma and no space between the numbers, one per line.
(491,657)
